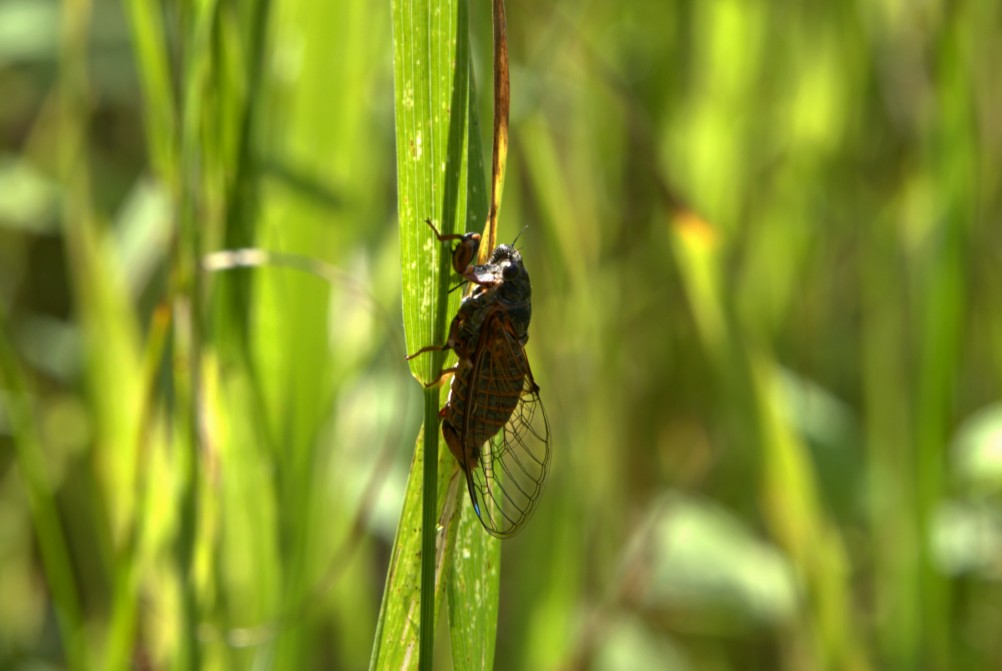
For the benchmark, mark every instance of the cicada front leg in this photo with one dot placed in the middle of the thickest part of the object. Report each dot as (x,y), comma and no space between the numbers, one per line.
(446,373)
(428,348)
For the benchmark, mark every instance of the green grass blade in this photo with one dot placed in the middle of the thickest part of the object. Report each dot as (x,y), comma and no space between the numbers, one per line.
(396,644)
(473,594)
(155,78)
(431,86)
(476,560)
(431,92)
(52,541)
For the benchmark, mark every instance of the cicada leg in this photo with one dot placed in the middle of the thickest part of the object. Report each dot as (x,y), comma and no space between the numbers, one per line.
(453,342)
(428,348)
(465,252)
(441,377)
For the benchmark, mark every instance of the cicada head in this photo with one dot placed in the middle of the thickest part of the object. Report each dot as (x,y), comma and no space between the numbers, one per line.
(515,291)
(465,252)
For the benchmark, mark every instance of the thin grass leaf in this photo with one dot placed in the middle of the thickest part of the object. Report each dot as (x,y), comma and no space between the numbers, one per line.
(431,91)
(502,103)
(431,86)
(398,630)
(155,78)
(476,560)
(15,405)
(473,593)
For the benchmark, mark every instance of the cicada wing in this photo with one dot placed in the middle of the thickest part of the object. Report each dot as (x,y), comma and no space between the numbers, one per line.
(513,468)
(513,462)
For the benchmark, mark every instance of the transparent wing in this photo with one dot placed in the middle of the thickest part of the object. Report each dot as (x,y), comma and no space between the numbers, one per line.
(508,480)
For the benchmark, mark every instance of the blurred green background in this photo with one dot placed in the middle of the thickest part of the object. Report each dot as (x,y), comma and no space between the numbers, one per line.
(765,246)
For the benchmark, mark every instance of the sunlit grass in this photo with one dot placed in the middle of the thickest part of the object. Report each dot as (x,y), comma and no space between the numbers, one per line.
(763,245)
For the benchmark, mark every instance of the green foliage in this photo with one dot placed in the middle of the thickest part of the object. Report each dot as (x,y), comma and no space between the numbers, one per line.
(763,245)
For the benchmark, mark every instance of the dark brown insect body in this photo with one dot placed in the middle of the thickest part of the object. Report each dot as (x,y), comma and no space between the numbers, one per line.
(493,421)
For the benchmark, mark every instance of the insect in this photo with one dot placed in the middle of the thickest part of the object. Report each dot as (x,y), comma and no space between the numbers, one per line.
(493,421)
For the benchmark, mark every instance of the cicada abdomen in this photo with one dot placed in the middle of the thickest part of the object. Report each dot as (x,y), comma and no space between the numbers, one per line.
(495,419)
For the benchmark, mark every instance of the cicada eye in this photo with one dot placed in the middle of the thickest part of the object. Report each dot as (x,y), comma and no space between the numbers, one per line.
(465,252)
(510,271)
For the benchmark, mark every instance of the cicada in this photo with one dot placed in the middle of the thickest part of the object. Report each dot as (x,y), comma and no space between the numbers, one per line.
(493,421)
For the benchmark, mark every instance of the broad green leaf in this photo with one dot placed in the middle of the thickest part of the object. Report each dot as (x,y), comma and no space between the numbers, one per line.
(431,87)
